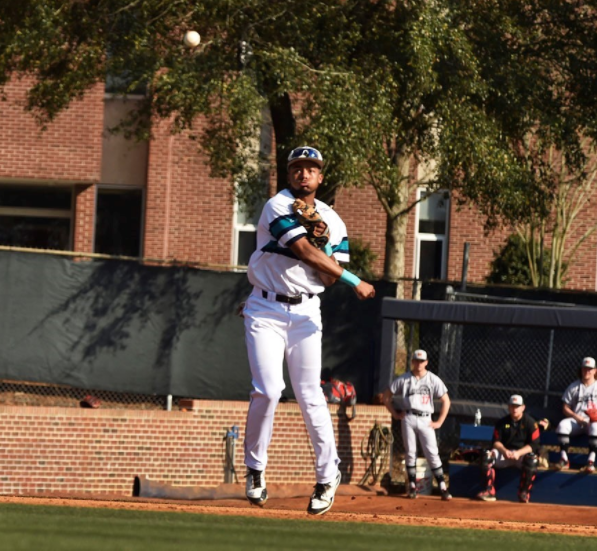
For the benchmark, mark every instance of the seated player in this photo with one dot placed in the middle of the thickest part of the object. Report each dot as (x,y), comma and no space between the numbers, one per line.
(580,415)
(515,443)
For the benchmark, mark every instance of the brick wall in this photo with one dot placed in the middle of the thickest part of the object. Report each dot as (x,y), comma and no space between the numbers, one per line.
(70,450)
(68,151)
(185,204)
(466,226)
(84,227)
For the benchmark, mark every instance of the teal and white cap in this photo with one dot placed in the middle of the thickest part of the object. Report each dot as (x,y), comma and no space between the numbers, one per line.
(305,153)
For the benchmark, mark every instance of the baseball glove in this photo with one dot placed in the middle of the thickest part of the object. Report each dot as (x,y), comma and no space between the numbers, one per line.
(592,414)
(318,232)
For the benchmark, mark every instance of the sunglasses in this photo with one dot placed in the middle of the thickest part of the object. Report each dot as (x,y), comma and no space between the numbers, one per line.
(305,153)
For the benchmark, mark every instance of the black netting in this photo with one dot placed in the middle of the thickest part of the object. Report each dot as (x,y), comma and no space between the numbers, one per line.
(488,363)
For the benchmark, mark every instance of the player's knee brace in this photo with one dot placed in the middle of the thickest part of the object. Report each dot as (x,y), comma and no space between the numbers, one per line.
(564,441)
(438,474)
(486,462)
(530,464)
(487,459)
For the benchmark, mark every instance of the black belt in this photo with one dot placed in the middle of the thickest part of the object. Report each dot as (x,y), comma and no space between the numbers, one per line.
(419,413)
(288,300)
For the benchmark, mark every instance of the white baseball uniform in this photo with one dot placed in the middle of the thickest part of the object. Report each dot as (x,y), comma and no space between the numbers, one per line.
(276,328)
(417,397)
(579,399)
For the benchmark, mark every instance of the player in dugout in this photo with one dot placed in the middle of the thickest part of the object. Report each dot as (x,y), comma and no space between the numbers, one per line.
(579,405)
(515,443)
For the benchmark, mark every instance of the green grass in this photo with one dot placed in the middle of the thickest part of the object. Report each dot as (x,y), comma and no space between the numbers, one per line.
(26,527)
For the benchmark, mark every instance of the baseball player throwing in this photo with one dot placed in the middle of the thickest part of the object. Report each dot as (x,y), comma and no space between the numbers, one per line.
(418,388)
(297,256)
(580,415)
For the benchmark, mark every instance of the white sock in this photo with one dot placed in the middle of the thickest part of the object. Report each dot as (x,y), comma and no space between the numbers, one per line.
(592,457)
(564,456)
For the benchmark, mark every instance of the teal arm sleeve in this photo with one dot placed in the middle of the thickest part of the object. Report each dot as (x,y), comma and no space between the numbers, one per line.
(328,249)
(349,278)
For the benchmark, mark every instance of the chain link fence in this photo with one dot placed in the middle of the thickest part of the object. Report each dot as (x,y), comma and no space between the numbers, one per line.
(486,363)
(19,393)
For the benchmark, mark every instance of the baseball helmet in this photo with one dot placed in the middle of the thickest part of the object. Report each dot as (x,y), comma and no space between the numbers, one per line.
(305,153)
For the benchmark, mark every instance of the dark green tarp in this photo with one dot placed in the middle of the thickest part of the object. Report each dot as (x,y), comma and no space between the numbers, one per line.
(126,327)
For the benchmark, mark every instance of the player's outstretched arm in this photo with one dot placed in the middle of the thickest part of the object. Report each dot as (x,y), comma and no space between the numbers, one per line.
(317,259)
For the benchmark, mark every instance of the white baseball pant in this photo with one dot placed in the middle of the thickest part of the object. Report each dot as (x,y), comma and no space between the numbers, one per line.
(571,427)
(412,427)
(501,461)
(274,330)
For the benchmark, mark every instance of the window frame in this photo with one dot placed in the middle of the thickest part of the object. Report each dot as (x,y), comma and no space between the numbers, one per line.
(143,190)
(421,237)
(236,229)
(33,212)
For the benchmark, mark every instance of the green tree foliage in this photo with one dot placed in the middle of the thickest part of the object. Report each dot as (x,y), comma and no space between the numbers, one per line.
(557,222)
(510,265)
(361,259)
(379,86)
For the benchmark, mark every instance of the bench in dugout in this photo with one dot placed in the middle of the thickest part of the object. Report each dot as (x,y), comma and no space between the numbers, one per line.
(573,487)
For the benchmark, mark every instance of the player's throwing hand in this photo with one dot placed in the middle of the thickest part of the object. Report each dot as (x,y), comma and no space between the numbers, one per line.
(364,290)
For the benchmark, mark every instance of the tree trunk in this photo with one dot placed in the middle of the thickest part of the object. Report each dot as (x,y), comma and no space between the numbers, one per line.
(396,224)
(394,264)
(284,130)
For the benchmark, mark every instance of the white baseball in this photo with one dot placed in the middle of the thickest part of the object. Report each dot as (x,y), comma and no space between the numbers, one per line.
(191,39)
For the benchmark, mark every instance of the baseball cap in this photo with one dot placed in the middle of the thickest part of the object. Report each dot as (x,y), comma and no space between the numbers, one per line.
(588,362)
(516,400)
(305,153)
(420,355)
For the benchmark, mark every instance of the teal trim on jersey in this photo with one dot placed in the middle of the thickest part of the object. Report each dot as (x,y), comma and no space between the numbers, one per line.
(274,248)
(282,225)
(342,247)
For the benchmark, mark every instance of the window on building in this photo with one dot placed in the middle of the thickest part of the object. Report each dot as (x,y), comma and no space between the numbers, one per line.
(36,217)
(119,221)
(245,235)
(431,234)
(244,239)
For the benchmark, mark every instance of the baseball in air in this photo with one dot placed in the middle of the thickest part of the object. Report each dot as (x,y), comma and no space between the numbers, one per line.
(191,39)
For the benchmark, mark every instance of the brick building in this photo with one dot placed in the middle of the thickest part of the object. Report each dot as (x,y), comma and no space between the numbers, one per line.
(76,187)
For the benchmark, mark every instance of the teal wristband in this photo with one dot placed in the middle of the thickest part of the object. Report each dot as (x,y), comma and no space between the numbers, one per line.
(328,249)
(349,278)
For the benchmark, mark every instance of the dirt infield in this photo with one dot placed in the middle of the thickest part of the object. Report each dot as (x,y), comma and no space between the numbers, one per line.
(356,505)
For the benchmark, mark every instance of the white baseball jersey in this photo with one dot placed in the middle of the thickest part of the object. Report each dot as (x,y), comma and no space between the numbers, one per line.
(579,397)
(276,330)
(418,394)
(273,266)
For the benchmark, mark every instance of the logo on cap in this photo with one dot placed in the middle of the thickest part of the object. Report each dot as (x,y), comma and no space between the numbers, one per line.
(588,362)
(516,400)
(420,355)
(305,153)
